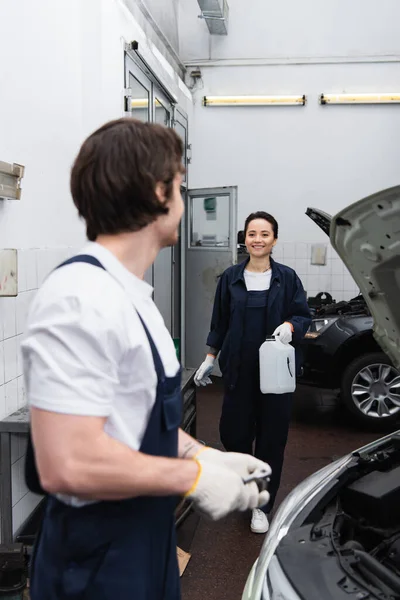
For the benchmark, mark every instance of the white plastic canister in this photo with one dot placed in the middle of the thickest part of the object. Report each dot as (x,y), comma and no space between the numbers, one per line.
(277,367)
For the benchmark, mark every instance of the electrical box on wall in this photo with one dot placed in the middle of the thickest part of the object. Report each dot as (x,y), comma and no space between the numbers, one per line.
(8,272)
(10,180)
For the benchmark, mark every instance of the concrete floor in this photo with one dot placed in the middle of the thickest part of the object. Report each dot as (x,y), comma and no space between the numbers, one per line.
(223,552)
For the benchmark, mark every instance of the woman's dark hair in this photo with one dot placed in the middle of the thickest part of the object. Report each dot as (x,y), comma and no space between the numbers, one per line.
(115,174)
(262,215)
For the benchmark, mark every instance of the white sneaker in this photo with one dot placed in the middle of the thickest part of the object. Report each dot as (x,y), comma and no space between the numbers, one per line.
(259,521)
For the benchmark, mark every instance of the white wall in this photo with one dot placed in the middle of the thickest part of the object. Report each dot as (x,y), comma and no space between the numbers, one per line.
(266,28)
(165,13)
(285,159)
(62,78)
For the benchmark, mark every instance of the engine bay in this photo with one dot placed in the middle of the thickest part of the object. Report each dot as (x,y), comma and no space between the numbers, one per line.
(355,306)
(349,543)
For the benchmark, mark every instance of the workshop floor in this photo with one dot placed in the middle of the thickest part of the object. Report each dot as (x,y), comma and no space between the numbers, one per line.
(223,552)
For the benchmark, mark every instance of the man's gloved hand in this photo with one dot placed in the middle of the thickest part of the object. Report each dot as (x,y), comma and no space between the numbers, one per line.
(242,464)
(204,371)
(285,333)
(219,491)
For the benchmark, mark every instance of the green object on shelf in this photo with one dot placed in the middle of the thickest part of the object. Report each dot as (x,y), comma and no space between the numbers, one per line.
(177,344)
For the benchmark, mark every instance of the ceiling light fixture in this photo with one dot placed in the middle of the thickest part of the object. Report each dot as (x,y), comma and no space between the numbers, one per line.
(373,98)
(254,100)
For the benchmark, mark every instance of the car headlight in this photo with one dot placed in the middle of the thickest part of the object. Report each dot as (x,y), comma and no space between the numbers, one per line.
(318,326)
(288,511)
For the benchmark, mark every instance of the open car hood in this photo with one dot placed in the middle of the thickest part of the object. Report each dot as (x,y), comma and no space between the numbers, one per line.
(366,235)
(323,220)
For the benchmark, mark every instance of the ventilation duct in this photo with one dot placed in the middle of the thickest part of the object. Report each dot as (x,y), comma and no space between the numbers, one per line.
(215,13)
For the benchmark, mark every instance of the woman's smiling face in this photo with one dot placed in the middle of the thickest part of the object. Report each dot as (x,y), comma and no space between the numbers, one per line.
(260,238)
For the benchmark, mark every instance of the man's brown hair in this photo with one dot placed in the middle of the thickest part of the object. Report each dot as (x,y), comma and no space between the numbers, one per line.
(114,176)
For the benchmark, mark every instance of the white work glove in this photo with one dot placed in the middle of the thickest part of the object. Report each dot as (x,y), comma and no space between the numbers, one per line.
(204,371)
(219,491)
(242,464)
(284,332)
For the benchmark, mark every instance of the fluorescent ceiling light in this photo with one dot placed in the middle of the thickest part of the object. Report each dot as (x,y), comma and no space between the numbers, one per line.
(254,100)
(373,98)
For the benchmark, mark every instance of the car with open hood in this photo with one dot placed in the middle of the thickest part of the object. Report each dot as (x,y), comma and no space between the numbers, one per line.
(336,536)
(341,351)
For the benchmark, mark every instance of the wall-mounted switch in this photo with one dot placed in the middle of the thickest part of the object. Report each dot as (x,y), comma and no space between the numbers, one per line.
(8,273)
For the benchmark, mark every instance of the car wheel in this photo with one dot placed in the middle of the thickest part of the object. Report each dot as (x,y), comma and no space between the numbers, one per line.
(371,390)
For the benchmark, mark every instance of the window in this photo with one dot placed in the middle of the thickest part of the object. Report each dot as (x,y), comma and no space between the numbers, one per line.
(210,222)
(140,98)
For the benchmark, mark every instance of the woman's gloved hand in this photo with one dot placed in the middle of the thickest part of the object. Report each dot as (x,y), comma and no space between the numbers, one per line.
(204,371)
(242,464)
(219,491)
(284,332)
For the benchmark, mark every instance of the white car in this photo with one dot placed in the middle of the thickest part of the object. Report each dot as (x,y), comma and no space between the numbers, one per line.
(337,535)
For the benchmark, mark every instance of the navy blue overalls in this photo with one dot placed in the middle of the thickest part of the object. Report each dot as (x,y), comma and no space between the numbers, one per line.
(247,414)
(119,549)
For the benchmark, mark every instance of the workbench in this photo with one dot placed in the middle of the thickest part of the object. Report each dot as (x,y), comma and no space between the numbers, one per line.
(18,422)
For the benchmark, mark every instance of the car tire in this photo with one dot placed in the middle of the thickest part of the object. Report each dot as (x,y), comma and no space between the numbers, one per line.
(375,374)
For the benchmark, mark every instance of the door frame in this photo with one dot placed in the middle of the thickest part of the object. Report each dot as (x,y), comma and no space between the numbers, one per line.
(232,191)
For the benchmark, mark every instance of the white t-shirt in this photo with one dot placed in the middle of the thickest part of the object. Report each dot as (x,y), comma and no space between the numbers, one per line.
(257,282)
(85,351)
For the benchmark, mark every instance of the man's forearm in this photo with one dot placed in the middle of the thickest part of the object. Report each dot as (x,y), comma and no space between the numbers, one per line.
(105,469)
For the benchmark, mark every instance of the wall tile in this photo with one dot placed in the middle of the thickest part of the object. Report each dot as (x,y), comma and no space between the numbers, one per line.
(31,270)
(289,250)
(348,283)
(22,270)
(301,266)
(278,252)
(21,392)
(312,282)
(19,355)
(302,250)
(23,301)
(289,262)
(8,313)
(337,283)
(337,267)
(11,393)
(324,282)
(10,359)
(314,269)
(2,401)
(1,362)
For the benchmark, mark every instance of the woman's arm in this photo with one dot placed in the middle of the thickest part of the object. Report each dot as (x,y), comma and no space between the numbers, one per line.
(300,316)
(220,316)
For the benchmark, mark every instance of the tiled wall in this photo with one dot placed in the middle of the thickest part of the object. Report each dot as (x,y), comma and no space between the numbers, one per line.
(333,277)
(33,266)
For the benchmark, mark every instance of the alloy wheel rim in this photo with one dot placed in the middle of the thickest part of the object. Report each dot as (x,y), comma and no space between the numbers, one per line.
(375,391)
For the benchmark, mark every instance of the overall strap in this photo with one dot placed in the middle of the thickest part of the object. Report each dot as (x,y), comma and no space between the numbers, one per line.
(91,260)
(82,258)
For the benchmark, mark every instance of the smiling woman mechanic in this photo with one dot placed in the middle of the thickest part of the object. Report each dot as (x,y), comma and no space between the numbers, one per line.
(255,299)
